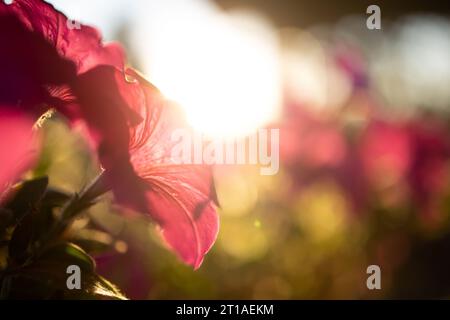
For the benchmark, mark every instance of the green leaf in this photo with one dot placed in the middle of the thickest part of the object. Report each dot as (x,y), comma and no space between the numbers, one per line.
(22,208)
(37,222)
(45,278)
(68,254)
(19,248)
(22,286)
(6,218)
(26,196)
(55,198)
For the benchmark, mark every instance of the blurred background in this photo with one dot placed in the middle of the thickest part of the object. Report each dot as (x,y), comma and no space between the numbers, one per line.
(364,118)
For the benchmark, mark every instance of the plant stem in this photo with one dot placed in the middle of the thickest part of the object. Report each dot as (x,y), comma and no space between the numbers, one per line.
(76,205)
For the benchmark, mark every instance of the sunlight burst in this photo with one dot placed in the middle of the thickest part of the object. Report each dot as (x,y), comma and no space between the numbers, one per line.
(222,69)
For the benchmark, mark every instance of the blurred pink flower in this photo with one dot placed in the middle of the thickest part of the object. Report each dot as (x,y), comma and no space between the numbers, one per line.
(311,141)
(386,151)
(17,147)
(430,168)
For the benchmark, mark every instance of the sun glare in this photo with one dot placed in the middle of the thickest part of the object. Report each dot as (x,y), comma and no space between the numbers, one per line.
(222,69)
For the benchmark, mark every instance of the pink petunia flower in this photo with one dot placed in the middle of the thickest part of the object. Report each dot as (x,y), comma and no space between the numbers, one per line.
(128,121)
(180,198)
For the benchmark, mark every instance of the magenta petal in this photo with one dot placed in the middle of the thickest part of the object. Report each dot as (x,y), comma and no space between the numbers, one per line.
(79,43)
(180,198)
(24,76)
(184,209)
(386,147)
